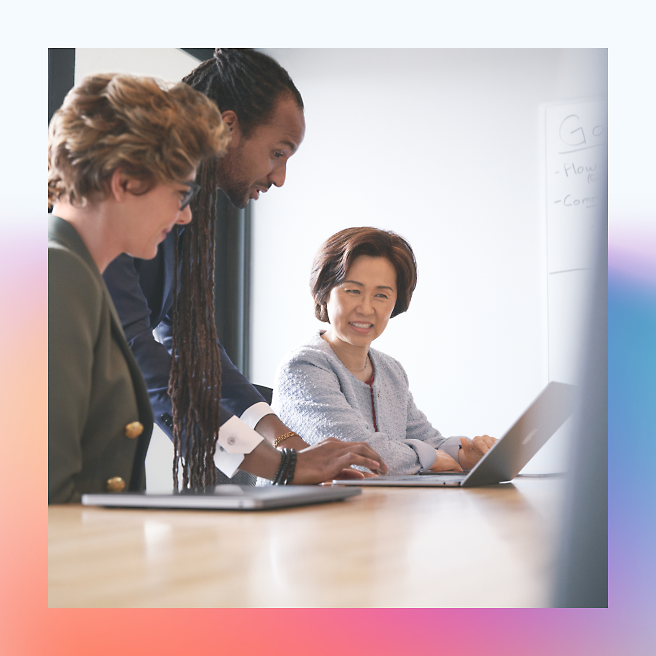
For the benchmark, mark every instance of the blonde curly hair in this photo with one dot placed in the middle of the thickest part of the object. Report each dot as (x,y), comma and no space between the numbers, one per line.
(154,131)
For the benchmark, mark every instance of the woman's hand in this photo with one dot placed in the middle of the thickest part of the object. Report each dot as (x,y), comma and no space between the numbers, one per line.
(333,458)
(473,451)
(444,463)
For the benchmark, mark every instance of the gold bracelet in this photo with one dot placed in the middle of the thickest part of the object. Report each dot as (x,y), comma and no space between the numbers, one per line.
(282,438)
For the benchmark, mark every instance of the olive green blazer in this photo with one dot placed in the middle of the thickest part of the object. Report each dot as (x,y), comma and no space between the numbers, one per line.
(99,414)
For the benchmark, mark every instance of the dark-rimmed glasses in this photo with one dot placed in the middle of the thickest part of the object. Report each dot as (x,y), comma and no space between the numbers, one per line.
(189,195)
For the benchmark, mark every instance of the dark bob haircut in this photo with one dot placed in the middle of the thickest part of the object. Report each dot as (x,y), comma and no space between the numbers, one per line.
(337,253)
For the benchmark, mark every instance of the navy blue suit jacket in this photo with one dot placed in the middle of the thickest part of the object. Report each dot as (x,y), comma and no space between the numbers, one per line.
(142,291)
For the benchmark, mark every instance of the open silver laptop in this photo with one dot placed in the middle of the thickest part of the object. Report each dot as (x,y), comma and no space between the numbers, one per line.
(508,456)
(224,497)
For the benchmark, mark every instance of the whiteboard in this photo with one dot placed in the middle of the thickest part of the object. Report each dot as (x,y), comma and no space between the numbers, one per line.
(576,169)
(576,146)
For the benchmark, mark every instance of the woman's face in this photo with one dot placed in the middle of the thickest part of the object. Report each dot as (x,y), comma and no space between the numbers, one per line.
(153,216)
(360,306)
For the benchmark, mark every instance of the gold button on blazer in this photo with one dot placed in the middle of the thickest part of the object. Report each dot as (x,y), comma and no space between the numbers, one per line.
(133,429)
(115,484)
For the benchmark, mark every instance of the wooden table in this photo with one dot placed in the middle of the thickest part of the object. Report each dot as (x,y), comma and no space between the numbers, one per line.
(390,547)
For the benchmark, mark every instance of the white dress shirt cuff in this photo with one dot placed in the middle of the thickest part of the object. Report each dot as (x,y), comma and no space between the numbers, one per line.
(425,453)
(235,440)
(251,416)
(452,446)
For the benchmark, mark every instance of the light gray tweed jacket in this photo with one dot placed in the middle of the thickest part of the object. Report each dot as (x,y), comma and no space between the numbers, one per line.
(318,397)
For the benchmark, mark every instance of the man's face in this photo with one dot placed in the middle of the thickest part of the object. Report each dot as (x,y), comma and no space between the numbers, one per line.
(255,163)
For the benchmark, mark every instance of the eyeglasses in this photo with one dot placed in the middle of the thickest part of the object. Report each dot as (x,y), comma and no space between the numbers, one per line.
(190,195)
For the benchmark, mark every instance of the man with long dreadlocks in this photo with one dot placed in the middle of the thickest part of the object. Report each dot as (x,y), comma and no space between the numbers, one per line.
(199,398)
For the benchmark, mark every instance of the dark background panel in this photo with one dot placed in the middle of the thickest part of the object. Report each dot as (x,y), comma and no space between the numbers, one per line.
(201,54)
(61,76)
(232,281)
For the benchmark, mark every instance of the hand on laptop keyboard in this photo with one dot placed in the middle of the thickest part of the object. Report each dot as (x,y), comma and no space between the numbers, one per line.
(472,452)
(445,463)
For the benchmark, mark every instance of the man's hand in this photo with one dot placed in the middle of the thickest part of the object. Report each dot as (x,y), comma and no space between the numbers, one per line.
(444,462)
(333,458)
(473,451)
(352,474)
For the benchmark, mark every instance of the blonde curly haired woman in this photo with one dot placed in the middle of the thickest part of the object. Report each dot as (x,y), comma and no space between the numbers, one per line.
(122,158)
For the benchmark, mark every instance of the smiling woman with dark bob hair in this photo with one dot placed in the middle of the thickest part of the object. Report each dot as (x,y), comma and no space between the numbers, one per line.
(336,255)
(336,385)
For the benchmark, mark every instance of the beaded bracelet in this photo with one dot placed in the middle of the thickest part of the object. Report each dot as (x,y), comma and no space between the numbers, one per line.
(290,467)
(284,459)
(282,438)
(285,473)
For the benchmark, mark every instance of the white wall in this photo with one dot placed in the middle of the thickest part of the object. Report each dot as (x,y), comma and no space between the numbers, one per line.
(166,63)
(442,146)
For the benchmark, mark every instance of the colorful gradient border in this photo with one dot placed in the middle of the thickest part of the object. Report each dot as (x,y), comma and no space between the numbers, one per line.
(29,628)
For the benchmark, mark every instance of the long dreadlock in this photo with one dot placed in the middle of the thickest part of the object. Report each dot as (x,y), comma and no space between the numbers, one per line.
(248,83)
(195,382)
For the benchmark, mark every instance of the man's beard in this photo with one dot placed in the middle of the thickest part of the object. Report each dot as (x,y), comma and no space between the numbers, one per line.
(237,195)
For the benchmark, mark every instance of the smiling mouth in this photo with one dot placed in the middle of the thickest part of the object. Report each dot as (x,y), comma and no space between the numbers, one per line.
(255,194)
(361,326)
